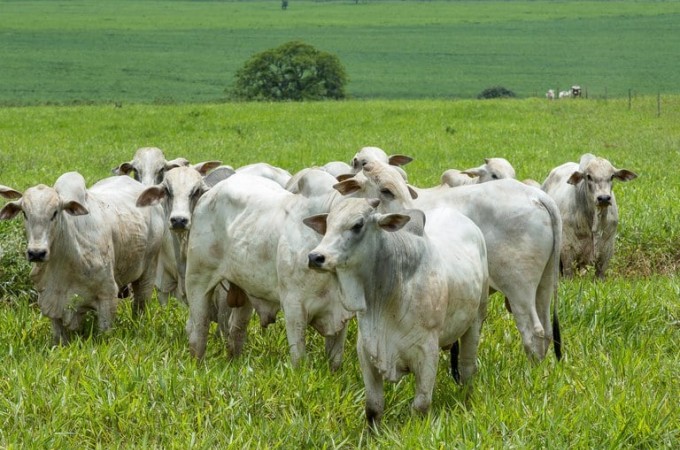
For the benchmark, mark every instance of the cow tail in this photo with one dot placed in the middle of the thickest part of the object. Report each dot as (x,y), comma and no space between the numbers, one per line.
(556,221)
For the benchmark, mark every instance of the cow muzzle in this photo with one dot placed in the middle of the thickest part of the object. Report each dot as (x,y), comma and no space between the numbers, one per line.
(604,200)
(178,223)
(316,261)
(37,255)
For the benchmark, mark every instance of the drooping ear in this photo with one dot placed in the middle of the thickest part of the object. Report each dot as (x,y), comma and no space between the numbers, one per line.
(317,223)
(74,208)
(9,193)
(414,194)
(393,222)
(348,186)
(344,176)
(123,169)
(206,166)
(374,202)
(399,160)
(625,175)
(10,210)
(151,195)
(476,172)
(575,178)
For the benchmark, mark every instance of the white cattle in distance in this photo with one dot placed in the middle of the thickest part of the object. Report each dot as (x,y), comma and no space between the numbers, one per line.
(414,290)
(247,231)
(492,169)
(583,192)
(85,245)
(148,166)
(522,229)
(550,95)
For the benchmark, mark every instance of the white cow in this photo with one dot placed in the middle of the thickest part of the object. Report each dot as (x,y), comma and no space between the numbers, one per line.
(583,193)
(492,169)
(337,168)
(149,165)
(522,229)
(86,244)
(414,291)
(550,95)
(247,230)
(178,193)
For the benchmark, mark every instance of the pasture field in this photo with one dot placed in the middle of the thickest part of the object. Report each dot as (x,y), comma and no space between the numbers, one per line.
(137,386)
(163,51)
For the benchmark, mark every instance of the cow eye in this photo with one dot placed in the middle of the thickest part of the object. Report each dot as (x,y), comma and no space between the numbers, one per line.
(54,216)
(589,178)
(358,226)
(387,193)
(494,176)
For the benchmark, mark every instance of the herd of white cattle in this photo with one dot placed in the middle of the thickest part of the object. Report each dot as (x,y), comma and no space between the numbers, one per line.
(414,266)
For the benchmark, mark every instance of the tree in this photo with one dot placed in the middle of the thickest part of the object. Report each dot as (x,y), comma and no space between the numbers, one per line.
(294,71)
(496,92)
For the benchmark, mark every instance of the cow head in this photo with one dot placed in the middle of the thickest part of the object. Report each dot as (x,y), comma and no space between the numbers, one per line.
(149,166)
(42,208)
(180,189)
(345,229)
(596,176)
(368,154)
(492,169)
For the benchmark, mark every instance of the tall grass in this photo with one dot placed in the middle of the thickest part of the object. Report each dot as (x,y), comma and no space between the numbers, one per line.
(137,386)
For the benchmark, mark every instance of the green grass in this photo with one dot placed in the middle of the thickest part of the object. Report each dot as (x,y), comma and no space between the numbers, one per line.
(187,51)
(137,386)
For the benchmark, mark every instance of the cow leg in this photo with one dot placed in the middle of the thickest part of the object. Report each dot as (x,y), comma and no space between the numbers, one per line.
(522,299)
(296,325)
(335,346)
(373,383)
(199,294)
(238,327)
(60,334)
(426,373)
(602,258)
(142,290)
(106,312)
(544,295)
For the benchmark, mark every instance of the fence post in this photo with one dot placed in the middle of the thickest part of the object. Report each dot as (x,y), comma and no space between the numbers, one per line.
(630,97)
(658,104)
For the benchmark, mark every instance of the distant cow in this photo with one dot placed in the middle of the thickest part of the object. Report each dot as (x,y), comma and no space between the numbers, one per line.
(492,169)
(412,296)
(86,244)
(550,95)
(583,193)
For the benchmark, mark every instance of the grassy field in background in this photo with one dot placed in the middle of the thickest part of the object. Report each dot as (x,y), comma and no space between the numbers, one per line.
(137,386)
(188,51)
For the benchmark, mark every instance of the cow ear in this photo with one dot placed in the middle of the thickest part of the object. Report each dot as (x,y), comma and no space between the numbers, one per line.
(151,196)
(317,223)
(393,222)
(624,175)
(348,186)
(575,178)
(10,210)
(74,208)
(9,193)
(175,163)
(476,172)
(399,160)
(123,169)
(206,166)
(344,176)
(414,194)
